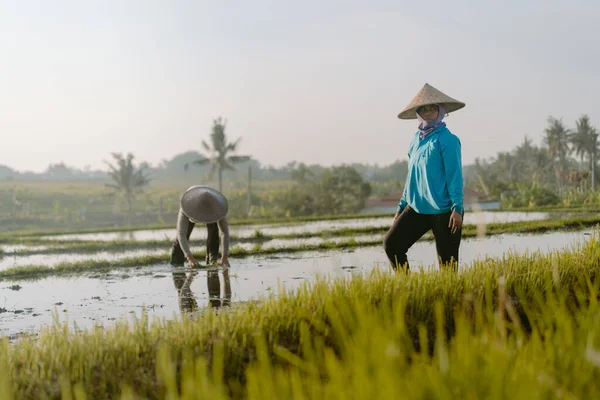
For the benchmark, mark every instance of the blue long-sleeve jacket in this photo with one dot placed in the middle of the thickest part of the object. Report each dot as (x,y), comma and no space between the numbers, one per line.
(434,184)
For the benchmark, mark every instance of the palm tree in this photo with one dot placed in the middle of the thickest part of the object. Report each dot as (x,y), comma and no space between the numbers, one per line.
(580,144)
(585,140)
(128,179)
(557,140)
(219,150)
(593,155)
(525,149)
(524,160)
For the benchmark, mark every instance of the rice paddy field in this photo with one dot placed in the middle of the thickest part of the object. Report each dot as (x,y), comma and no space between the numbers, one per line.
(308,309)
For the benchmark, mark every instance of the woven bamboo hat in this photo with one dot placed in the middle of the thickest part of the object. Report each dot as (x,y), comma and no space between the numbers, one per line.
(429,95)
(202,204)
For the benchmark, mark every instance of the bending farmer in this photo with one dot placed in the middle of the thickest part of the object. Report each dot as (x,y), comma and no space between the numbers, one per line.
(202,204)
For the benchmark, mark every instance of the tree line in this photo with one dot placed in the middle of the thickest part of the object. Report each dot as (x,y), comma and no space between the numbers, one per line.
(565,162)
(337,190)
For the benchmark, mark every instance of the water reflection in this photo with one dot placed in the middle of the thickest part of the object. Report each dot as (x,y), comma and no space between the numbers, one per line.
(214,289)
(249,231)
(186,298)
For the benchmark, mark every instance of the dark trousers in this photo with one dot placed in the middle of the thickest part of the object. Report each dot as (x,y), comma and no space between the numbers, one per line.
(212,245)
(410,226)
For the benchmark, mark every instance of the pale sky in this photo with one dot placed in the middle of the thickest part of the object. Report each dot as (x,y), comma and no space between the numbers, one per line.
(311,81)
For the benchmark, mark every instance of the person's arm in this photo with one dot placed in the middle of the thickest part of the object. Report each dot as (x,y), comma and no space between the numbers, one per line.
(182,228)
(224,228)
(450,147)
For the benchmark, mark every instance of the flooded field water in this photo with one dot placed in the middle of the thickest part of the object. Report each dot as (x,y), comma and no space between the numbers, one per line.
(244,231)
(165,291)
(16,260)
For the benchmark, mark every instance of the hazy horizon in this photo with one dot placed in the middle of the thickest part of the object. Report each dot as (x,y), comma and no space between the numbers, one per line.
(316,82)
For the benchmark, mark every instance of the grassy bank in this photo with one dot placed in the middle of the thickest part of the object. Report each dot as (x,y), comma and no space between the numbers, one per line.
(593,208)
(520,327)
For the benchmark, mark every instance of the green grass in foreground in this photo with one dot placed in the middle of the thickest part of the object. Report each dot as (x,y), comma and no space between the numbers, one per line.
(521,327)
(469,231)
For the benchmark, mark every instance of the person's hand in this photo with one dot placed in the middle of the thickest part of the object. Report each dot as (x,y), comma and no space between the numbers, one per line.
(224,261)
(396,216)
(455,222)
(192,261)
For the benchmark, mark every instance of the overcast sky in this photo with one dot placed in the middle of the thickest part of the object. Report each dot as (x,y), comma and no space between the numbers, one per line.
(311,81)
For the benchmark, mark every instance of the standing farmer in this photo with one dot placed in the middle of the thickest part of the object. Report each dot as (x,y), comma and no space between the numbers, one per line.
(433,192)
(202,204)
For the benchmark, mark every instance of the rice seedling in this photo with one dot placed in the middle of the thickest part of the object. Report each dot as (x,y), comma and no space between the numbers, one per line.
(258,234)
(521,326)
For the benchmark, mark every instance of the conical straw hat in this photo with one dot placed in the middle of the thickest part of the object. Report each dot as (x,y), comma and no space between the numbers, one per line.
(429,95)
(202,204)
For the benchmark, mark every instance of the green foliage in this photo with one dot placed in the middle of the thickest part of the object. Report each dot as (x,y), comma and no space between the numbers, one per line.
(238,203)
(549,165)
(298,200)
(302,174)
(338,190)
(383,189)
(532,196)
(343,190)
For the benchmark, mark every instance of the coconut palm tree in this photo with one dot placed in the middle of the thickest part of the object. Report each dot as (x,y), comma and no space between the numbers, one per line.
(557,140)
(584,140)
(580,144)
(129,180)
(219,152)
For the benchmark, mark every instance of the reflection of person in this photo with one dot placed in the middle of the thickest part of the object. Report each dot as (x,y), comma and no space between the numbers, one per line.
(433,192)
(214,289)
(187,301)
(201,204)
(185,297)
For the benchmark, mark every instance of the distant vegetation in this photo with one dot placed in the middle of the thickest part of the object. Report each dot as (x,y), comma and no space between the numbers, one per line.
(561,171)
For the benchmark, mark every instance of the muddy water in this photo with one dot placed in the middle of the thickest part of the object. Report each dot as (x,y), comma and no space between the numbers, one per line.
(103,298)
(9,260)
(311,241)
(315,226)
